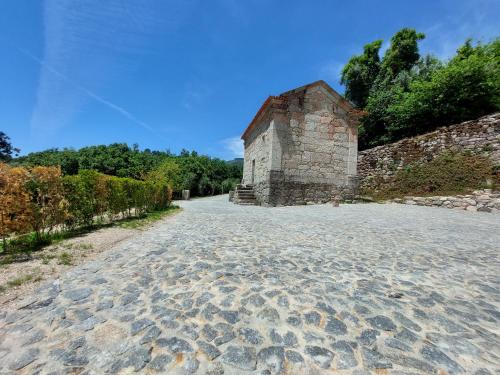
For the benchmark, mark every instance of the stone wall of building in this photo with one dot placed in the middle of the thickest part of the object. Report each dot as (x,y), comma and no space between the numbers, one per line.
(285,193)
(258,150)
(317,144)
(480,200)
(481,136)
(304,143)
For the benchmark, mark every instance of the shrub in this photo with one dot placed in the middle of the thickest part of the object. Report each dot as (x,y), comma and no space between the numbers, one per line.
(79,197)
(15,207)
(48,205)
(229,184)
(40,199)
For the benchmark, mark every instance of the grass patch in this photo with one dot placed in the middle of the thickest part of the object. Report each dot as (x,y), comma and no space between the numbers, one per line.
(85,246)
(21,247)
(18,281)
(66,259)
(147,219)
(449,173)
(46,258)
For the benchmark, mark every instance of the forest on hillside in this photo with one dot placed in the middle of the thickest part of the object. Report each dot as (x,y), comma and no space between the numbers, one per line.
(405,94)
(201,174)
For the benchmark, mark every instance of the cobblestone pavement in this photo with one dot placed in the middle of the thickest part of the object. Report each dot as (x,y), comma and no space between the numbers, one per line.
(225,289)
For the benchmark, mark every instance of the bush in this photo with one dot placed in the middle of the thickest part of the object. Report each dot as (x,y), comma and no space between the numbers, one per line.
(41,200)
(48,205)
(200,174)
(229,184)
(15,207)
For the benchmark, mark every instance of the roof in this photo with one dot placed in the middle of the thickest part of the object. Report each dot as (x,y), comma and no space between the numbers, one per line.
(281,99)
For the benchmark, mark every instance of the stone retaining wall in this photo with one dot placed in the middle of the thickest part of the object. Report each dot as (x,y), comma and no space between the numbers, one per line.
(479,200)
(481,136)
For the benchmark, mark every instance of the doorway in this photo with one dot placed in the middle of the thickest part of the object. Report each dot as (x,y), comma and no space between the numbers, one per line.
(253,171)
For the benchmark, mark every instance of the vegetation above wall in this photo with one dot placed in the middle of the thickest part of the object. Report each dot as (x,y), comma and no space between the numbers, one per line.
(447,174)
(406,94)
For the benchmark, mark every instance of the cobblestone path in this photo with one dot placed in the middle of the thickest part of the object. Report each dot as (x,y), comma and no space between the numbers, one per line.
(225,289)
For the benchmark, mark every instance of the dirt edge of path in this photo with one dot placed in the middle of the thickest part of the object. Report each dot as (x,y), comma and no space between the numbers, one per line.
(23,278)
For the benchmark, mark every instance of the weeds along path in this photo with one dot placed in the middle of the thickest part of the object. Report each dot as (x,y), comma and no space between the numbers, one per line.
(226,289)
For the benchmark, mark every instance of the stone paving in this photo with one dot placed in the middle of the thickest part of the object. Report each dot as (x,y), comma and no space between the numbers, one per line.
(226,289)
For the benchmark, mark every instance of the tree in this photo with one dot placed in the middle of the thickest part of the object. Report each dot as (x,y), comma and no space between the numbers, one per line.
(466,88)
(359,74)
(465,51)
(402,54)
(6,148)
(411,97)
(184,171)
(168,172)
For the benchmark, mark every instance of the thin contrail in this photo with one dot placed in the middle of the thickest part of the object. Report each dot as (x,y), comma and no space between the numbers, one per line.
(86,91)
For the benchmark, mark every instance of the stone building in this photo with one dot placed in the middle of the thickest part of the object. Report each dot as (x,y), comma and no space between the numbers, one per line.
(301,147)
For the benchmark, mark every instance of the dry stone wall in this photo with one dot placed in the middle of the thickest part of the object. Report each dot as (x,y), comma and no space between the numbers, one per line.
(481,136)
(480,200)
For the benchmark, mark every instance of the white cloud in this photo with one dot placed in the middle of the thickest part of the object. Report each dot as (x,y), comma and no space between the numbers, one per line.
(88,43)
(477,20)
(122,111)
(235,146)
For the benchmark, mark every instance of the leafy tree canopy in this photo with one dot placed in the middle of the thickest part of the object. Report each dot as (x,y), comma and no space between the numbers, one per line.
(360,73)
(403,53)
(6,148)
(405,94)
(188,170)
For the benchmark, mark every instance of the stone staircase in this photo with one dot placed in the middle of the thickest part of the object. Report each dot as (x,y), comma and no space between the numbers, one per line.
(244,195)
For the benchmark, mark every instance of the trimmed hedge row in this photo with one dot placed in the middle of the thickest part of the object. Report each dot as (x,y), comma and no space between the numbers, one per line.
(41,200)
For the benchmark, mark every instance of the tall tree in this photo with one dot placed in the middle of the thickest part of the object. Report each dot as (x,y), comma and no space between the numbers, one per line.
(360,72)
(6,148)
(403,53)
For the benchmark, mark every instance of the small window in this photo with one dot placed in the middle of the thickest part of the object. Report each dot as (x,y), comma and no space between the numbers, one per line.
(264,138)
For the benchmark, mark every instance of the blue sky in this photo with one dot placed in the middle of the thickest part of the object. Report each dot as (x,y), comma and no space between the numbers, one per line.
(191,73)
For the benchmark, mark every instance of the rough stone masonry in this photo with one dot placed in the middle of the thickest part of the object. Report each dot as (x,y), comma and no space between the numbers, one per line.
(301,147)
(481,136)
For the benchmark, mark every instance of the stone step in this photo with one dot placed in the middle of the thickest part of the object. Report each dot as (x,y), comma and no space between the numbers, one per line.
(239,194)
(247,203)
(245,196)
